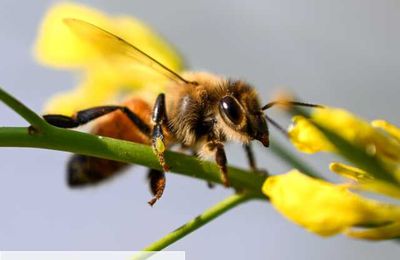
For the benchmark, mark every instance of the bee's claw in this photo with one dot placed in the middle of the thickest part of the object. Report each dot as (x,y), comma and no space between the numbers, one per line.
(152,201)
(165,168)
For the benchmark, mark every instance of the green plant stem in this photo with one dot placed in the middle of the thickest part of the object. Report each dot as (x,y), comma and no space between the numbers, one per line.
(49,137)
(36,121)
(119,150)
(124,151)
(199,221)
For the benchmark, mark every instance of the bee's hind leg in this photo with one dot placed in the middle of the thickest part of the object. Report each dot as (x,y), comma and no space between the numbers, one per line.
(157,184)
(85,116)
(159,118)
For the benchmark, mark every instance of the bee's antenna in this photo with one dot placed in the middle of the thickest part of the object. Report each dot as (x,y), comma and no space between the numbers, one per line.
(277,126)
(289,103)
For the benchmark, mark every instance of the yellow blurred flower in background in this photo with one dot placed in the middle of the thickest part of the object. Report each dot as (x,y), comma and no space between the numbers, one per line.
(102,80)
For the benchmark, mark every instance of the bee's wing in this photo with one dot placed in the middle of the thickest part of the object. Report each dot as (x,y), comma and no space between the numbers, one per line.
(113,45)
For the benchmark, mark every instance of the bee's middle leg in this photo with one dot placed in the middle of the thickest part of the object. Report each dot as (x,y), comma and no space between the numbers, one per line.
(159,118)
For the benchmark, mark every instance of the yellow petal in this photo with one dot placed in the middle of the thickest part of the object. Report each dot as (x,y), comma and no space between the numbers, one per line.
(342,122)
(102,86)
(324,208)
(94,90)
(309,139)
(392,130)
(106,78)
(389,231)
(306,137)
(365,181)
(379,187)
(358,132)
(350,172)
(355,130)
(58,46)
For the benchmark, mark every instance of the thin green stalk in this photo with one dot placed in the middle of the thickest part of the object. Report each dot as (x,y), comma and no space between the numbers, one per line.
(36,121)
(199,221)
(290,159)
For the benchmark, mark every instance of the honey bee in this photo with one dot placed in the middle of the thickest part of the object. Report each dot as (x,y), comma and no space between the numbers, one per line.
(199,111)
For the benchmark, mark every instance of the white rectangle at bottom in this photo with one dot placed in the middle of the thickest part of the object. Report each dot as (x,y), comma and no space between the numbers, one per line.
(91,255)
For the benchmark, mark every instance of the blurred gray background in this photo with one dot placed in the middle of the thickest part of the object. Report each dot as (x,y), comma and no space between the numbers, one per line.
(341,53)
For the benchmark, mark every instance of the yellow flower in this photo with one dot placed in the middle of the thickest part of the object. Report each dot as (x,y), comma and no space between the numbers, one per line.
(103,79)
(328,209)
(364,181)
(385,232)
(350,172)
(379,139)
(390,129)
(307,138)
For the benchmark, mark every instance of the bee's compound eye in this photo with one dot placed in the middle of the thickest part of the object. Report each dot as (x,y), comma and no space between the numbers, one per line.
(231,109)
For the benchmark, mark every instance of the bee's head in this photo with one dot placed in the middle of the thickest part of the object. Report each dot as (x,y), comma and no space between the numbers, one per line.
(241,112)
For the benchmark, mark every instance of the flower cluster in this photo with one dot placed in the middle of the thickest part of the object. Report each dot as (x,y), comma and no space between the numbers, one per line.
(327,209)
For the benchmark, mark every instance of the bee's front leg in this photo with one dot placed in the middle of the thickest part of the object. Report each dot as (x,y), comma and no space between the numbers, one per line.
(250,156)
(159,118)
(252,160)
